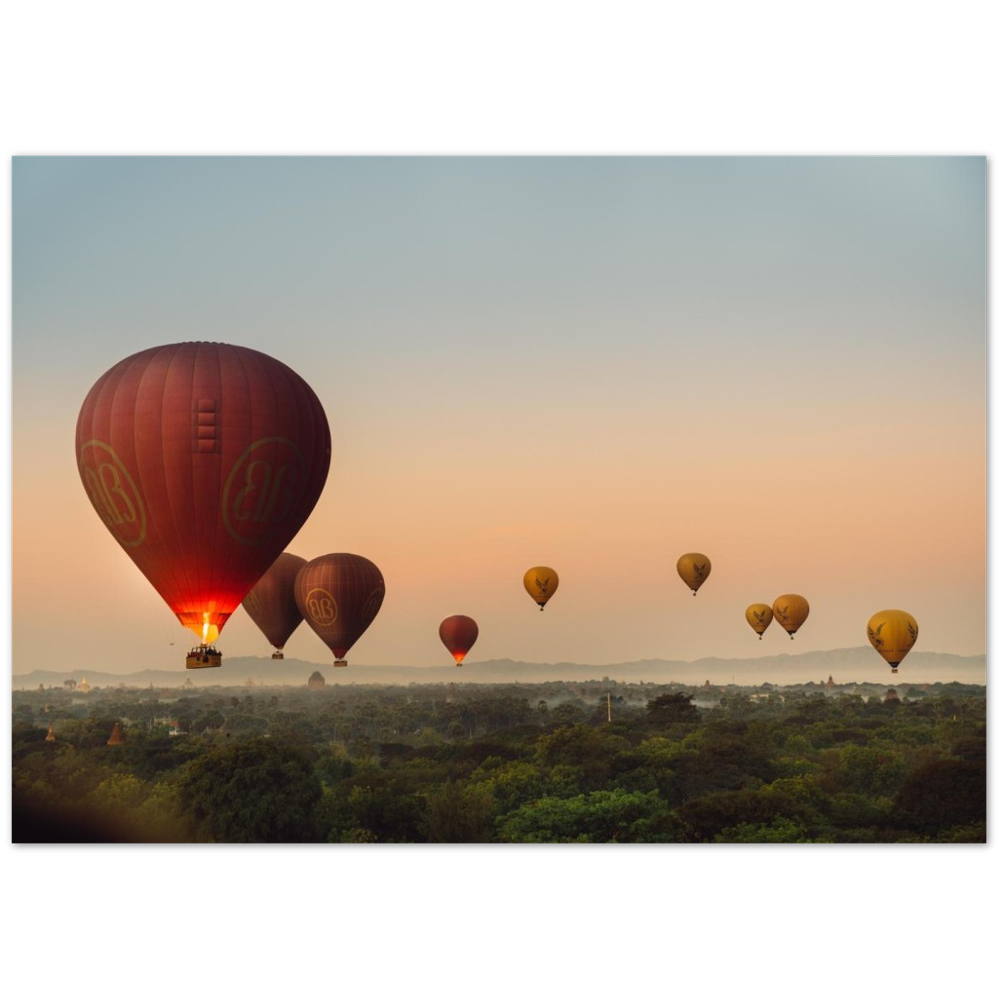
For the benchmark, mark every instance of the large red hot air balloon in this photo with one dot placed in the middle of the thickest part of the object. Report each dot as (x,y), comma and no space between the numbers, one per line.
(459,634)
(339,596)
(271,604)
(203,460)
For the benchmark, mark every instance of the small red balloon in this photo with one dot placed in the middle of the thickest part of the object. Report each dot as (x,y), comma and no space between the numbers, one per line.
(459,634)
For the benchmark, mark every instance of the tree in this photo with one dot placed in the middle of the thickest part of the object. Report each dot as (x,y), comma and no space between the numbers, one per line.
(460,814)
(566,714)
(944,794)
(669,708)
(779,831)
(253,792)
(595,818)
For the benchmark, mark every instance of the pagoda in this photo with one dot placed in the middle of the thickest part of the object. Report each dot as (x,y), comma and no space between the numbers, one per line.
(83,686)
(50,736)
(117,737)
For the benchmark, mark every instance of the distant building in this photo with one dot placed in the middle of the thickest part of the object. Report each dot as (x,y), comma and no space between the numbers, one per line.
(83,686)
(316,680)
(829,682)
(117,737)
(50,737)
(248,683)
(891,695)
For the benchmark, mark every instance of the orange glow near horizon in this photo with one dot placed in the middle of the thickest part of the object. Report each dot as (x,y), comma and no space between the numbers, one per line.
(777,363)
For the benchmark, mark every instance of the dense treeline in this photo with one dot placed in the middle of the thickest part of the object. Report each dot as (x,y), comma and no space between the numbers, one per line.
(511,763)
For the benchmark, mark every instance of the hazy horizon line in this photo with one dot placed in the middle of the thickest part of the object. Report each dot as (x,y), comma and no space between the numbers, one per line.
(471,663)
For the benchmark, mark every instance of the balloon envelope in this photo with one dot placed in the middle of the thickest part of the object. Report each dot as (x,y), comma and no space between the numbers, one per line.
(759,616)
(693,568)
(791,610)
(339,595)
(541,583)
(271,603)
(893,634)
(203,460)
(459,634)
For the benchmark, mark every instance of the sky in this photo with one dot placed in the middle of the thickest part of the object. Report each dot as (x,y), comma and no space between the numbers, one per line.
(595,364)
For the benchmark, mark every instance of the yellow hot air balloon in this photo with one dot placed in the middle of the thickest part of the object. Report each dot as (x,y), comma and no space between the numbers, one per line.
(541,583)
(694,568)
(791,610)
(893,634)
(759,616)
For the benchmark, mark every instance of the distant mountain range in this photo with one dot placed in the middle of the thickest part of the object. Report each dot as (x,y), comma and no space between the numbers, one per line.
(856,665)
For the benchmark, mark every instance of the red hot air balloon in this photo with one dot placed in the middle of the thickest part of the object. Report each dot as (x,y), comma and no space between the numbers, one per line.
(459,634)
(271,604)
(203,460)
(339,596)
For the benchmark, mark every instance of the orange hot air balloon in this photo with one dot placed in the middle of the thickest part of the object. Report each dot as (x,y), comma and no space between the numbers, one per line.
(339,596)
(893,634)
(759,616)
(271,604)
(541,583)
(203,460)
(791,610)
(459,634)
(693,568)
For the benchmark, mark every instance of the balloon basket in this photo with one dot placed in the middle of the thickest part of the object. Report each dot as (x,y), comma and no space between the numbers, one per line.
(340,663)
(278,655)
(203,656)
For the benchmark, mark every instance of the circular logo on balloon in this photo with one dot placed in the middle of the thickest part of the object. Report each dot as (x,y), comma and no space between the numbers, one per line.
(321,606)
(372,604)
(263,489)
(112,492)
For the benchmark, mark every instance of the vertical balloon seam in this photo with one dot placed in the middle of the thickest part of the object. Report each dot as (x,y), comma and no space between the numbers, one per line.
(213,366)
(201,556)
(221,352)
(287,611)
(183,564)
(89,431)
(335,581)
(286,589)
(248,359)
(156,358)
(356,580)
(154,538)
(86,430)
(294,604)
(238,367)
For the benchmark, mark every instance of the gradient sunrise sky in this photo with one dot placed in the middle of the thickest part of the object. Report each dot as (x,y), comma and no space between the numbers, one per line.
(595,364)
